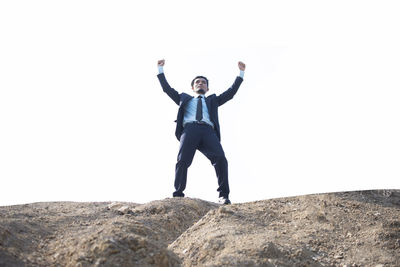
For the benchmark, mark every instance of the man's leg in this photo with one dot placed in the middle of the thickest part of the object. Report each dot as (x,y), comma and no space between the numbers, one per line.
(212,149)
(188,144)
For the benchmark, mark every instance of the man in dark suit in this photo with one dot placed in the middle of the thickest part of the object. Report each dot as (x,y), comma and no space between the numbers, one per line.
(197,128)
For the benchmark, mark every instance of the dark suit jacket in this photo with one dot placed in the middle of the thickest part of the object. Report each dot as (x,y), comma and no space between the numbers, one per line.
(213,102)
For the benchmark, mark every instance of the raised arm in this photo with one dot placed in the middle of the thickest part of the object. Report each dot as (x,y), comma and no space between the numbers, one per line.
(171,92)
(228,94)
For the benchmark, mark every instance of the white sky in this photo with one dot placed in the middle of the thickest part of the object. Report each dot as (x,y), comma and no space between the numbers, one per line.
(83,117)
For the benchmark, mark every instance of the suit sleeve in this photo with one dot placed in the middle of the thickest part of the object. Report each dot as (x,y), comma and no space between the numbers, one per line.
(228,94)
(171,92)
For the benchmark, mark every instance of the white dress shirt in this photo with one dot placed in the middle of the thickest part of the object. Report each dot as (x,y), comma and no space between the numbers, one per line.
(191,109)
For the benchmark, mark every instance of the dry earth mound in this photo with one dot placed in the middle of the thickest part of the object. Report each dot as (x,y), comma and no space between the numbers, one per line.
(337,229)
(96,234)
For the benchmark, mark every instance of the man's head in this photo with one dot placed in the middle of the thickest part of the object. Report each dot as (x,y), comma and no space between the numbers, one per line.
(200,85)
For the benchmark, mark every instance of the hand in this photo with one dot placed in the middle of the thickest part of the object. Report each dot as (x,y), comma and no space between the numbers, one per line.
(161,62)
(241,65)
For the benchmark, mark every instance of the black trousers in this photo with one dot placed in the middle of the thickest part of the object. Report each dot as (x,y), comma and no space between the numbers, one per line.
(200,137)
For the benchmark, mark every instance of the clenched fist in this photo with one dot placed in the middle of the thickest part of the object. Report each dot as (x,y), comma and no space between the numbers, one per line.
(241,65)
(161,62)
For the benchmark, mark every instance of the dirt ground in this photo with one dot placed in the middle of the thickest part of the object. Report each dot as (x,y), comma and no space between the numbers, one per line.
(360,228)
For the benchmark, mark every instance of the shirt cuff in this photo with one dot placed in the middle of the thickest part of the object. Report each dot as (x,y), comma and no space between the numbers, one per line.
(160,69)
(241,74)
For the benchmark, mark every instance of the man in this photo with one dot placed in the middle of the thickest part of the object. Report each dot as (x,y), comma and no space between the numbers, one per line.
(197,128)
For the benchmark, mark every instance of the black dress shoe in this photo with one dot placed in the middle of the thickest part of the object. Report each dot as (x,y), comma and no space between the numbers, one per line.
(224,201)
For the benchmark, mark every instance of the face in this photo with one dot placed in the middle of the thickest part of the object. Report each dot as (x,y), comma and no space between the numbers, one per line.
(200,86)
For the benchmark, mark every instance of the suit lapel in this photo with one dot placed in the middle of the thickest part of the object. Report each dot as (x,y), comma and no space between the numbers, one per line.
(185,99)
(208,102)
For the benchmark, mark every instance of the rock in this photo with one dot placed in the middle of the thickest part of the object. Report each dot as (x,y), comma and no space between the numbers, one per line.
(225,210)
(115,206)
(124,210)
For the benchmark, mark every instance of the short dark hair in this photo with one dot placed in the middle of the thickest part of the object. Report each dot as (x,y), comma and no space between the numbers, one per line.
(197,77)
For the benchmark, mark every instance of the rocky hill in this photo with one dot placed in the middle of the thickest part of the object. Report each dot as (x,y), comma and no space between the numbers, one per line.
(360,228)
